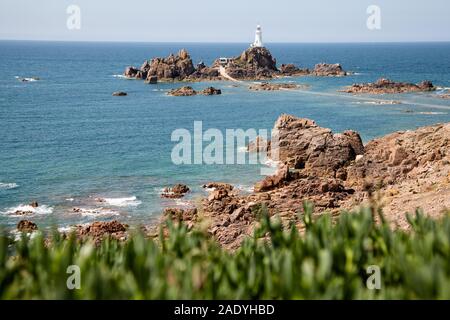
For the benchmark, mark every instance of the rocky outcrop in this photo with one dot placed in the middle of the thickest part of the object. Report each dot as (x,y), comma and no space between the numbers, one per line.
(99,230)
(173,67)
(254,63)
(182,92)
(177,191)
(189,91)
(302,144)
(293,71)
(210,91)
(26,226)
(266,86)
(329,70)
(386,86)
(119,94)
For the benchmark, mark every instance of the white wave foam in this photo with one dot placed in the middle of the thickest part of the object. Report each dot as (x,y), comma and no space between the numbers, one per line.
(121,76)
(95,212)
(183,203)
(8,186)
(272,163)
(66,229)
(245,188)
(70,199)
(379,102)
(42,209)
(430,112)
(123,202)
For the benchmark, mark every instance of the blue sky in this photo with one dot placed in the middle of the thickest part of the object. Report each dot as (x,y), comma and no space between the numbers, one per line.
(226,21)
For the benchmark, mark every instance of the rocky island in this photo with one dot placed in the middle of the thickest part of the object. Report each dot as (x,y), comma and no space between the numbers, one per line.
(386,86)
(255,63)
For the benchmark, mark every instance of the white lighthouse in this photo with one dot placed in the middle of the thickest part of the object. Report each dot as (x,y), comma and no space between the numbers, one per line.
(258,38)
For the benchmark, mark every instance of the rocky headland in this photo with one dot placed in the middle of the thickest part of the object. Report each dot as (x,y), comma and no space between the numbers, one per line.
(335,171)
(386,86)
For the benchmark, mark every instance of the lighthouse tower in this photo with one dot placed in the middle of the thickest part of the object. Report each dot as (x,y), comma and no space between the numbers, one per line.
(258,38)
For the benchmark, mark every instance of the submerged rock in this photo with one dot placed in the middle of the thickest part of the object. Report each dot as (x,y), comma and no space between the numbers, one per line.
(119,94)
(266,86)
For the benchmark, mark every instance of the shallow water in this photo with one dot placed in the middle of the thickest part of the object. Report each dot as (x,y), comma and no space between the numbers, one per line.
(65,141)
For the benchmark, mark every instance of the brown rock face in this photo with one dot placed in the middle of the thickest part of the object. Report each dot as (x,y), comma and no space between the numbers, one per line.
(401,155)
(277,180)
(253,63)
(325,70)
(174,67)
(26,226)
(292,70)
(302,144)
(386,86)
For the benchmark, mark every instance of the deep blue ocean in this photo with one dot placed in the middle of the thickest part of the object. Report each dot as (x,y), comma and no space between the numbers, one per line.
(65,140)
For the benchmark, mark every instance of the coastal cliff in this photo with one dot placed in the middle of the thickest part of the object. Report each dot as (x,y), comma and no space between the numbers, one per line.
(335,171)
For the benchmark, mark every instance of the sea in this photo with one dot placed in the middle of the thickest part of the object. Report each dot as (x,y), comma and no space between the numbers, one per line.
(66,142)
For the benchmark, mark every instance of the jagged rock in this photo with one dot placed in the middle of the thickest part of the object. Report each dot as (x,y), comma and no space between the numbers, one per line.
(210,91)
(253,63)
(34,204)
(218,185)
(302,144)
(182,92)
(119,94)
(174,67)
(292,70)
(325,70)
(132,72)
(386,86)
(177,191)
(26,226)
(271,182)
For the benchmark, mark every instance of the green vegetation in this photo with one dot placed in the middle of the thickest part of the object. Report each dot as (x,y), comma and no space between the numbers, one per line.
(328,261)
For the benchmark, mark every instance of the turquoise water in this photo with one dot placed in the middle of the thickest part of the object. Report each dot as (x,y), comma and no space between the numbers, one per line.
(66,141)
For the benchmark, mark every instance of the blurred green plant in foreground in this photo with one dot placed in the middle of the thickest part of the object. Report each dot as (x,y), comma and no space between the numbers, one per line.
(329,260)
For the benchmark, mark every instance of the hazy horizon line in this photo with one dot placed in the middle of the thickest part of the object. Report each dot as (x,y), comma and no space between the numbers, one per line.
(225,42)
